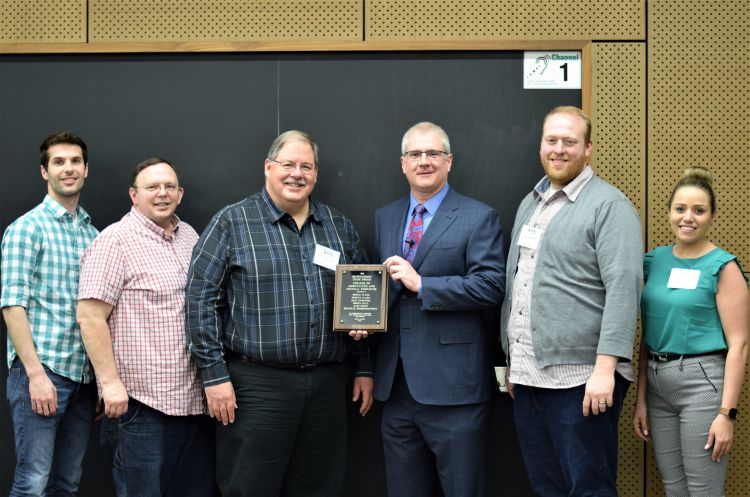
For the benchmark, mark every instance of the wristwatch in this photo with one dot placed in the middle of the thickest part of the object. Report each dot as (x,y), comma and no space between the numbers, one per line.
(729,412)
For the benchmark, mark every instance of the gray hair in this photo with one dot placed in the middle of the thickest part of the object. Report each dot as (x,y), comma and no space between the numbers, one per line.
(426,127)
(291,136)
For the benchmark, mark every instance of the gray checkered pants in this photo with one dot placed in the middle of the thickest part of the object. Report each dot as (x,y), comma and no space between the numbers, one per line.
(684,397)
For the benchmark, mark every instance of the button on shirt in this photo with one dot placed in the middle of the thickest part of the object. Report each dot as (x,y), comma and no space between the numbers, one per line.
(139,269)
(40,262)
(524,369)
(254,289)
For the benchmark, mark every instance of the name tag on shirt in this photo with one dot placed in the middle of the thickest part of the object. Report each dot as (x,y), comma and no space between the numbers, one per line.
(686,279)
(325,257)
(530,237)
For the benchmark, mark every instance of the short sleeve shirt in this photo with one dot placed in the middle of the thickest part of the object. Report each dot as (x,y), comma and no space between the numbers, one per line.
(682,320)
(139,269)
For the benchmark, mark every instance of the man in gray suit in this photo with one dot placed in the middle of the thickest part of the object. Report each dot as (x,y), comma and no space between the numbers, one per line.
(444,254)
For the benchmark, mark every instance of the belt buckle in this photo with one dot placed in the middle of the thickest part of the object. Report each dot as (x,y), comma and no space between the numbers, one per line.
(307,366)
(662,357)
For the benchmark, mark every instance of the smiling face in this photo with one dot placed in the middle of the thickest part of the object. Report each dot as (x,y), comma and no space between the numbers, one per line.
(564,150)
(65,172)
(690,215)
(156,194)
(290,189)
(426,175)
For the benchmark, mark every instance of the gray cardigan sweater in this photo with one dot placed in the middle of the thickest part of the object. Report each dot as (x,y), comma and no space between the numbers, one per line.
(587,283)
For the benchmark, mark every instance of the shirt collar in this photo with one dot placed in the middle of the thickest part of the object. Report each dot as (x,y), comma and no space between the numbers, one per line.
(152,226)
(431,204)
(571,190)
(59,212)
(274,214)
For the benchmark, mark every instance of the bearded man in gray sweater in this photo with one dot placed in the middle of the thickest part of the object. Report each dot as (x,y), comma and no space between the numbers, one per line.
(569,315)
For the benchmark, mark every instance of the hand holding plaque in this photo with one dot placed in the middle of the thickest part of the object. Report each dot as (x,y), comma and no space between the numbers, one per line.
(360,298)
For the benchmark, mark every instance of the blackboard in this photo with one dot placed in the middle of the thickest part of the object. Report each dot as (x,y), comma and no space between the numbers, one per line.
(215,115)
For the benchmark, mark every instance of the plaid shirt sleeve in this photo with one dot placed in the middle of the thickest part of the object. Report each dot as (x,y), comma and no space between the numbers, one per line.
(102,270)
(21,246)
(206,300)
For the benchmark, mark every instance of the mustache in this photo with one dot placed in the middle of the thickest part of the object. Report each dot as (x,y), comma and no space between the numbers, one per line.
(295,182)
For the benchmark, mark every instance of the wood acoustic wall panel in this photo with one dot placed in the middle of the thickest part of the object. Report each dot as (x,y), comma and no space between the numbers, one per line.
(618,107)
(699,114)
(42,21)
(224,20)
(504,19)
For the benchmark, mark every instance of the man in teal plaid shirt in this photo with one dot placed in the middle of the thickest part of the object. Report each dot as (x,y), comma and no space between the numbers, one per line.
(50,390)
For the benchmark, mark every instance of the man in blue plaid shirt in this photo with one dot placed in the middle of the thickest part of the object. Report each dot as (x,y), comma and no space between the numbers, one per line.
(259,311)
(50,390)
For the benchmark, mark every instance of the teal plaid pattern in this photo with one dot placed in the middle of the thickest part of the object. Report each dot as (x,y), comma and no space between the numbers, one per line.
(41,251)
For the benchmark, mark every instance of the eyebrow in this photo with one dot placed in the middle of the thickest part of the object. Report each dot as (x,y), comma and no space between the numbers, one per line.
(64,157)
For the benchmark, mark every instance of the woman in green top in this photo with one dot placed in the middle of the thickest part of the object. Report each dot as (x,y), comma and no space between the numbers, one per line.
(694,312)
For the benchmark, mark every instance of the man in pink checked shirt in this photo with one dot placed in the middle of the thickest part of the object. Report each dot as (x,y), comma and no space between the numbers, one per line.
(131,311)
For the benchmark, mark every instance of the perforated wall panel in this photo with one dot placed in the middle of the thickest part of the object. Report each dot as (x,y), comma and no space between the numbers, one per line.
(699,113)
(46,21)
(618,102)
(224,20)
(504,19)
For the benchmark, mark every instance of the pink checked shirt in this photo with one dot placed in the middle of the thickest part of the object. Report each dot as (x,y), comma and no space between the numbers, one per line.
(141,271)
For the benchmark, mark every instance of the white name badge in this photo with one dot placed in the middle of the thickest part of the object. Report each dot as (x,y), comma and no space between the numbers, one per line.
(686,279)
(325,257)
(530,237)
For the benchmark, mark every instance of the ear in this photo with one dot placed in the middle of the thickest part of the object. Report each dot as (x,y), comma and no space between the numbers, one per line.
(86,170)
(267,167)
(45,175)
(449,161)
(587,150)
(180,193)
(403,164)
(133,198)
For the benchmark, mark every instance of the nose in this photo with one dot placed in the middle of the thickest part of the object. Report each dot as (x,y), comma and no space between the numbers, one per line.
(558,148)
(423,160)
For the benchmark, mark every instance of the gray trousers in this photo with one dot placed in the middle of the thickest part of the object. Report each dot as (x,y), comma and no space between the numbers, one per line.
(684,397)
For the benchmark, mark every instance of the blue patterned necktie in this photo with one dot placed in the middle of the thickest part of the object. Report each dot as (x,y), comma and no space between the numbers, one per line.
(414,234)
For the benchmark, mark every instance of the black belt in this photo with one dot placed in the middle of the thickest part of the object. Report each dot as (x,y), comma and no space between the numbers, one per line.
(305,366)
(666,356)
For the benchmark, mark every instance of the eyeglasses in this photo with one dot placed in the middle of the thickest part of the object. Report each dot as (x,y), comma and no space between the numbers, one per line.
(291,166)
(169,187)
(432,155)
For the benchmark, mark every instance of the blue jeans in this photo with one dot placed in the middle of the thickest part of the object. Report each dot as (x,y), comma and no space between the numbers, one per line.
(565,453)
(153,453)
(49,450)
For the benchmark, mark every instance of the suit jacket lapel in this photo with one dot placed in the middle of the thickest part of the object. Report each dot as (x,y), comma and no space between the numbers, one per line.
(441,220)
(396,229)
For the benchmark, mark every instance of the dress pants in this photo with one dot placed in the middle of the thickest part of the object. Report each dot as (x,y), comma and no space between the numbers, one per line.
(684,397)
(417,437)
(289,435)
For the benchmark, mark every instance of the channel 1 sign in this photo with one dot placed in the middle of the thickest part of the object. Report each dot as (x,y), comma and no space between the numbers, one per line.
(555,70)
